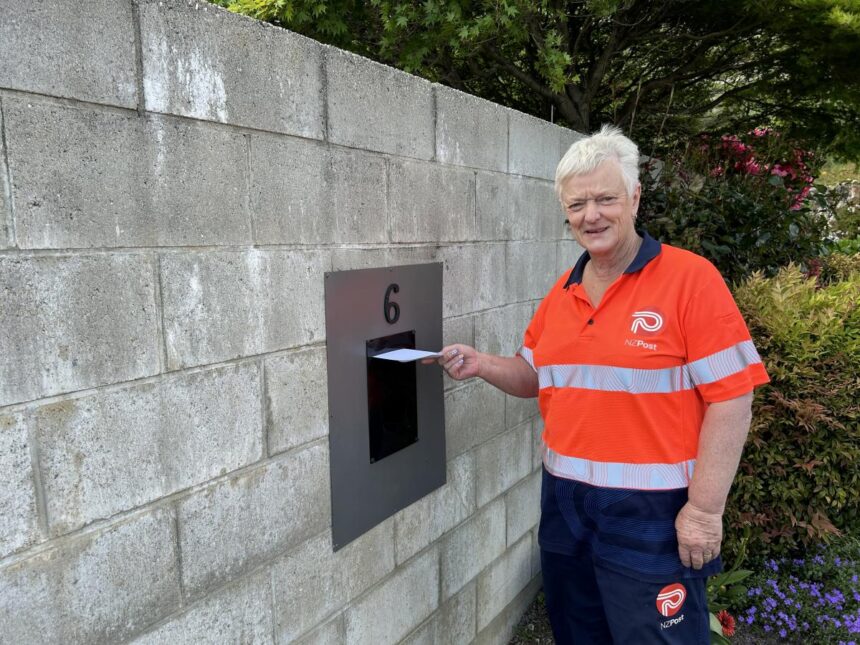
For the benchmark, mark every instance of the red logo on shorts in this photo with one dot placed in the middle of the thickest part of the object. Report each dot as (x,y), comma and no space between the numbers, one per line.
(671,599)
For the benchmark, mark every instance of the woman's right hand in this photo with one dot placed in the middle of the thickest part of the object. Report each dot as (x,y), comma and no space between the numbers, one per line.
(459,361)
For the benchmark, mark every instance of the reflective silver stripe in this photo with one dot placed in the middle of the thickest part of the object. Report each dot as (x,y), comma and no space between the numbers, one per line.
(724,363)
(526,353)
(619,475)
(614,379)
(607,378)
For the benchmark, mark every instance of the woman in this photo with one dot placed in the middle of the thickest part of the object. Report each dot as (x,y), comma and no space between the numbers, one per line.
(644,372)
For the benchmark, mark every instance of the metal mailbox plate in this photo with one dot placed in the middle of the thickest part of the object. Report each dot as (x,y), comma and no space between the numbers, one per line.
(363,494)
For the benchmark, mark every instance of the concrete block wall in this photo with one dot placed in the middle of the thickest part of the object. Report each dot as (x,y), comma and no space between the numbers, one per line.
(175,181)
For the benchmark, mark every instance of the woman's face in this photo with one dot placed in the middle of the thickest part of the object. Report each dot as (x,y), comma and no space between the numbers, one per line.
(599,212)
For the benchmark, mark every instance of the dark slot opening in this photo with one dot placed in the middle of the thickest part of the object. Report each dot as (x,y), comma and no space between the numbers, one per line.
(392,402)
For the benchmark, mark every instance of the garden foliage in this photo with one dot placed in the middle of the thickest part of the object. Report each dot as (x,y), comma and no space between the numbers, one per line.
(800,472)
(744,203)
(813,599)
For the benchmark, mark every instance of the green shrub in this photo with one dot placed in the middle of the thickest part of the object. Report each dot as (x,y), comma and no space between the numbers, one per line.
(799,476)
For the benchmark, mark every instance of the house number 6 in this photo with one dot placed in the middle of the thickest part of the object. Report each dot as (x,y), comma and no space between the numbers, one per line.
(391,309)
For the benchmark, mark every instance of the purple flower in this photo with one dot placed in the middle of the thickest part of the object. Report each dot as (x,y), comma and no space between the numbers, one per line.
(783,633)
(835,597)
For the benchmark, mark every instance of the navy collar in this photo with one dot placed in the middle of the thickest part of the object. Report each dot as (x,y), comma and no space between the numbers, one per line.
(649,250)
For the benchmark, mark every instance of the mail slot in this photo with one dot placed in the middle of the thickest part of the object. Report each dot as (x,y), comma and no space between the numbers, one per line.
(392,404)
(386,418)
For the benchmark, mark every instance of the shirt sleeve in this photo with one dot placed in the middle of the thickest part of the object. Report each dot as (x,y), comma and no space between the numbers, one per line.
(722,361)
(535,328)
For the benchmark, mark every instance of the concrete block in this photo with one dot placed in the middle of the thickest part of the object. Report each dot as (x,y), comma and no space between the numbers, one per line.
(75,322)
(567,253)
(501,462)
(536,564)
(503,580)
(431,203)
(473,414)
(6,223)
(530,269)
(224,305)
(452,624)
(296,398)
(426,634)
(510,207)
(203,62)
(501,629)
(537,443)
(99,587)
(500,331)
(236,524)
(85,51)
(312,581)
(395,607)
(457,330)
(467,550)
(522,504)
(457,618)
(306,587)
(423,522)
(519,410)
(473,278)
(239,613)
(534,146)
(20,525)
(470,131)
(567,138)
(379,108)
(332,633)
(309,193)
(119,449)
(348,259)
(87,178)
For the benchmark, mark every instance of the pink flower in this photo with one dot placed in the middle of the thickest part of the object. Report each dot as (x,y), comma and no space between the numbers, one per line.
(751,167)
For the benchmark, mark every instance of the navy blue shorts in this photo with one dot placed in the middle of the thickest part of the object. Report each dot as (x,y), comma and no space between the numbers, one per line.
(593,605)
(611,568)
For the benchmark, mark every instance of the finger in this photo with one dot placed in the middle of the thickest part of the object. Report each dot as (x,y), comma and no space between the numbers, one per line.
(454,363)
(458,367)
(684,554)
(697,559)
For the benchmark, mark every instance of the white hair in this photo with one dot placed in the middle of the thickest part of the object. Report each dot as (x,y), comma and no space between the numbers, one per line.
(589,152)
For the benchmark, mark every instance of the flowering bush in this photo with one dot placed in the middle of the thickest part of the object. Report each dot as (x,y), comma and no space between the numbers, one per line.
(807,600)
(745,203)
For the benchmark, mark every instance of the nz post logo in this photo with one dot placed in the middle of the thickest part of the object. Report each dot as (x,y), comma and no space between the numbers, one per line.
(671,599)
(647,322)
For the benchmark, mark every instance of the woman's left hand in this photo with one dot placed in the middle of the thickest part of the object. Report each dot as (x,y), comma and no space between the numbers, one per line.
(699,535)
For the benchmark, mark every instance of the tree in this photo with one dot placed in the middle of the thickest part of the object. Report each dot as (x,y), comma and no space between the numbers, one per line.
(661,69)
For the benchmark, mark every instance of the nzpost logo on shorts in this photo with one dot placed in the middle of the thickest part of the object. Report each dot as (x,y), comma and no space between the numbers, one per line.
(646,321)
(671,599)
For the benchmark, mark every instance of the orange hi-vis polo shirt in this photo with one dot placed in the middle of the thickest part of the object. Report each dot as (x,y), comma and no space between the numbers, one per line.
(624,386)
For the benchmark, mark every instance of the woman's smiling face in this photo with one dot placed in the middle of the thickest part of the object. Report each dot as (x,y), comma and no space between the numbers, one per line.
(600,213)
